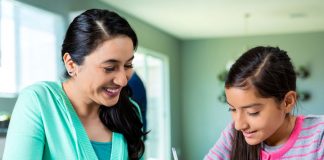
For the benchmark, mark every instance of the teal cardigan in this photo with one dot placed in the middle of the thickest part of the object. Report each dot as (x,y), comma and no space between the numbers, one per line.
(44,125)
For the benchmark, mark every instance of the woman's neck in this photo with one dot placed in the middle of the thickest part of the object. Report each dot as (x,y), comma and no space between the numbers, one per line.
(83,105)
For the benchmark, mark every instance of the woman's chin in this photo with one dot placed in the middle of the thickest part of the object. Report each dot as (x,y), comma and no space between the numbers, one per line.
(110,102)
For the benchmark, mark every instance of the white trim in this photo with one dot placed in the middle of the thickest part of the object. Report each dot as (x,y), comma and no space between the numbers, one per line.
(8,95)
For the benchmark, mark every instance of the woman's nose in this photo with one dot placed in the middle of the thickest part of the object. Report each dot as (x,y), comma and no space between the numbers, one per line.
(121,79)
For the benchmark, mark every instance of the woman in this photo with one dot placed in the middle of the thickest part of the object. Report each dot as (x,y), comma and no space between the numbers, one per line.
(89,115)
(261,93)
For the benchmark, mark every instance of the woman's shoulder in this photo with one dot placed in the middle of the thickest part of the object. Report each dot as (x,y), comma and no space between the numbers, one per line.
(41,87)
(41,91)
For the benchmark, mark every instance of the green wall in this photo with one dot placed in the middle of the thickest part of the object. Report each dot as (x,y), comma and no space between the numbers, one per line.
(203,116)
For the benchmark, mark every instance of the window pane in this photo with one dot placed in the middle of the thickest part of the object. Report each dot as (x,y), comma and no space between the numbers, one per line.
(151,70)
(29,49)
(37,46)
(7,48)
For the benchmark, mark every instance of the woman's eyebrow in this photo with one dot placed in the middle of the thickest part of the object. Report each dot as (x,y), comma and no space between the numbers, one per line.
(116,61)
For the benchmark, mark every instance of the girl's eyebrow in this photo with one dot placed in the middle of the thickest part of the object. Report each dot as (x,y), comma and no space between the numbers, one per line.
(247,106)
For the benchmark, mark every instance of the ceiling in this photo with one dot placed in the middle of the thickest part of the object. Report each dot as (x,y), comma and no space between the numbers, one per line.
(195,19)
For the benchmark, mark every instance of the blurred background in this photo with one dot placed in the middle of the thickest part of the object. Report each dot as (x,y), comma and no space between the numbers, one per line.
(185,49)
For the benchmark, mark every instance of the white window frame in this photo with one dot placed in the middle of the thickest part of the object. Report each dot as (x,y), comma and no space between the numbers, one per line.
(166,148)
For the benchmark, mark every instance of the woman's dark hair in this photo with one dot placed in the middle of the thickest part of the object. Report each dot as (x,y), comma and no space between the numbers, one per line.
(270,71)
(86,32)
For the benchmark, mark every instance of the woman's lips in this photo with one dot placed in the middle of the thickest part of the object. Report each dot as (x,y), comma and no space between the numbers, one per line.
(112,92)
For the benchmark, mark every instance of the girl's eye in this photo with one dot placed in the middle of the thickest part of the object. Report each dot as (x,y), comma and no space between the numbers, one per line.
(253,114)
(231,109)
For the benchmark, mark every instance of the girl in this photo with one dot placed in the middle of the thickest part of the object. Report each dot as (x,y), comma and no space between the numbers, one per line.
(261,93)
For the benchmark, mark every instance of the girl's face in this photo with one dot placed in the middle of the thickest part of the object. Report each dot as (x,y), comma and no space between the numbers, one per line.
(106,71)
(259,119)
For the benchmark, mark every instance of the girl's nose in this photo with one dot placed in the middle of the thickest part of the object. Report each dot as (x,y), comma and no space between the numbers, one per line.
(240,123)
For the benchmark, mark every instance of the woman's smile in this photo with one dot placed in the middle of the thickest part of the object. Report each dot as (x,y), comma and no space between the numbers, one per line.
(112,92)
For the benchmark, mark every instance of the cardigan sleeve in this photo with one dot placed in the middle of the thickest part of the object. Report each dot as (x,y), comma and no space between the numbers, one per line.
(25,137)
(222,148)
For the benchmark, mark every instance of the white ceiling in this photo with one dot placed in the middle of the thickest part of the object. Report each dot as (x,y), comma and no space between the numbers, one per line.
(192,19)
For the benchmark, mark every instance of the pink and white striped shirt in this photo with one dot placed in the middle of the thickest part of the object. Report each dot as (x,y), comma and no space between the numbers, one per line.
(305,142)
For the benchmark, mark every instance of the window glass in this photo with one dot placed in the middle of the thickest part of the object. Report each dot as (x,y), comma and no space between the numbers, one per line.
(29,49)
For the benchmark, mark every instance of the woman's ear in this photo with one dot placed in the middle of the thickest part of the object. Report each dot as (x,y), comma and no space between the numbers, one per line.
(70,65)
(290,101)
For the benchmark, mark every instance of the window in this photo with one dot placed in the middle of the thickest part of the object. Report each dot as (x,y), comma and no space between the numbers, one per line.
(29,49)
(152,68)
(7,48)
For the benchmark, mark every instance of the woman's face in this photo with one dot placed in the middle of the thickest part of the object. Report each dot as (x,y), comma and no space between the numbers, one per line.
(259,119)
(106,71)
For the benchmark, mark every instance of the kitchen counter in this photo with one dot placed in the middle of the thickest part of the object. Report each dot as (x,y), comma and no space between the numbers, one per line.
(3,132)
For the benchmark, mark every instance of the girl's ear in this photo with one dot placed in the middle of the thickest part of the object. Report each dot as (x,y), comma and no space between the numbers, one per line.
(290,101)
(70,65)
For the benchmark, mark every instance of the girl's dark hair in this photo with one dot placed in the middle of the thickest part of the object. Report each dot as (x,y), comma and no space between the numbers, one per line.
(86,32)
(270,71)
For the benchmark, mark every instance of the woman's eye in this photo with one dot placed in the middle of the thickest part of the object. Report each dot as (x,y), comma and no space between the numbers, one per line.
(129,66)
(109,69)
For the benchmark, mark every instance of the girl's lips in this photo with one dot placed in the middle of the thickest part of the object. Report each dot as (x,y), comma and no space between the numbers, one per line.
(248,134)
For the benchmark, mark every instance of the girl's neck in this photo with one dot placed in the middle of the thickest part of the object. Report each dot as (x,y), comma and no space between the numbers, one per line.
(283,133)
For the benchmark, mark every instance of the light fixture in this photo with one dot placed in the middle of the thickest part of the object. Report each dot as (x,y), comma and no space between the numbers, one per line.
(246,23)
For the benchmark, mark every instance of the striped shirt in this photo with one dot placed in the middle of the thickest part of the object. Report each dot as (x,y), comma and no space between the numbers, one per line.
(305,142)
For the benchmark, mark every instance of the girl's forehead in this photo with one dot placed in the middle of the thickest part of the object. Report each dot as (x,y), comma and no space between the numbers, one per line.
(242,91)
(238,96)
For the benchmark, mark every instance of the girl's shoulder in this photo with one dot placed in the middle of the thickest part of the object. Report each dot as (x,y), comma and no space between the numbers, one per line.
(313,119)
(313,123)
